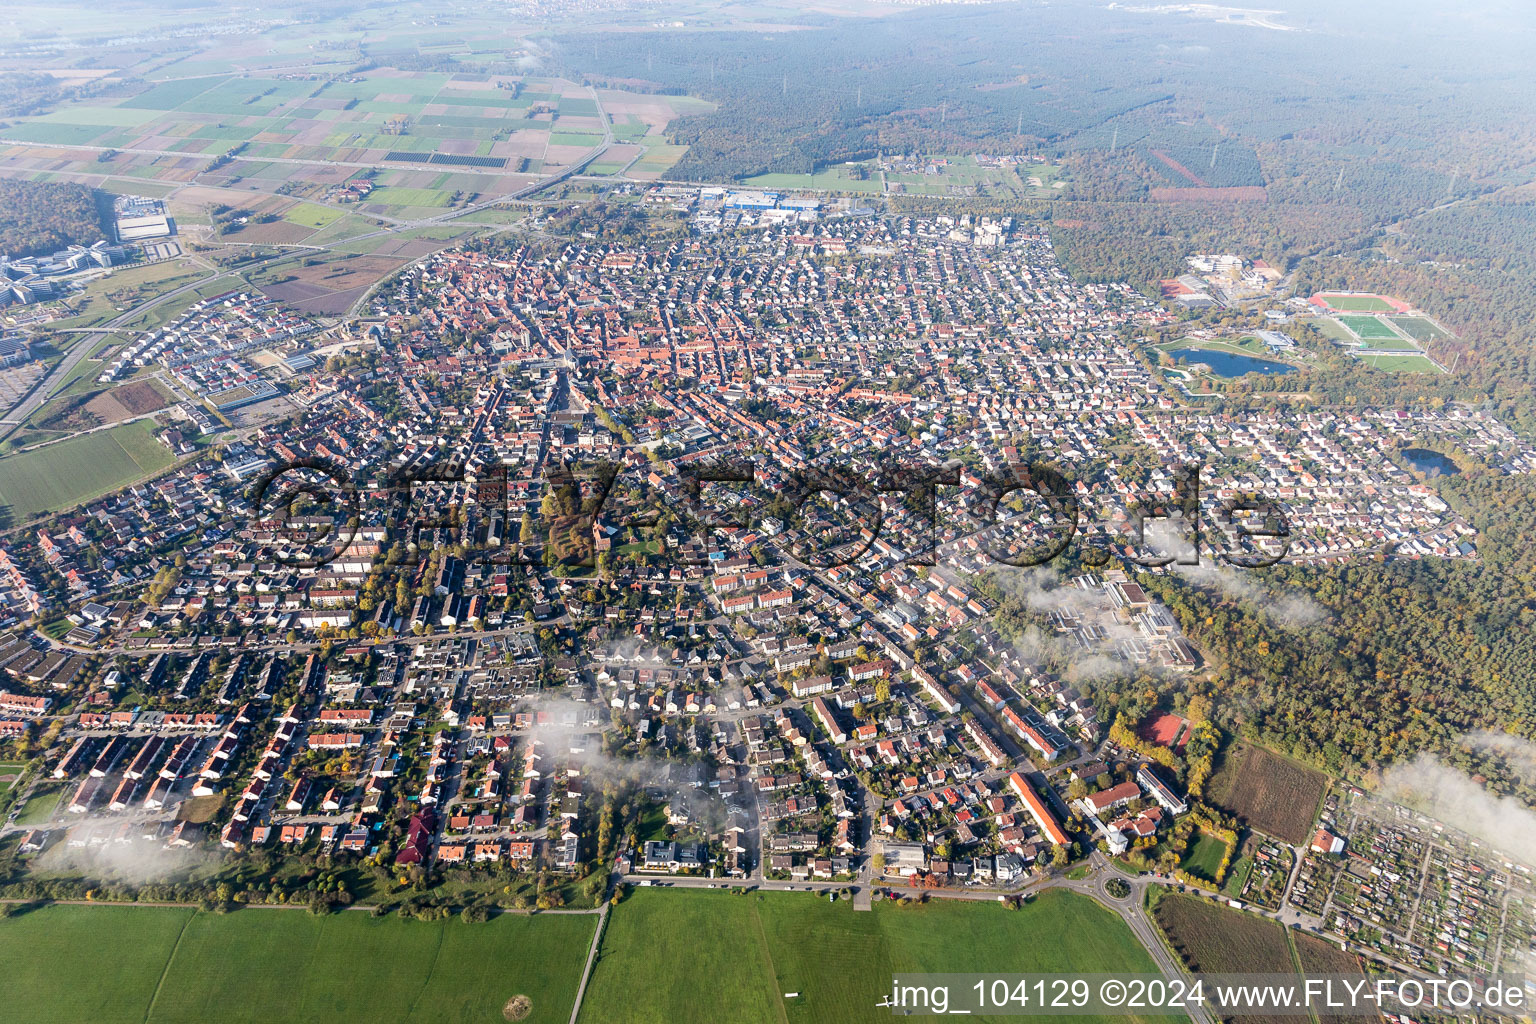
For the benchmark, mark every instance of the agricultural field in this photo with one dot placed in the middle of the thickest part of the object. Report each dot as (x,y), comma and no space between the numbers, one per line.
(105,964)
(309,215)
(102,964)
(1319,956)
(281,133)
(1213,939)
(1268,792)
(62,474)
(756,947)
(329,286)
(85,410)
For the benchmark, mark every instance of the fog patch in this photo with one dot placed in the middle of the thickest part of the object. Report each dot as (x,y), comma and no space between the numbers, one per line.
(1427,784)
(1286,608)
(113,852)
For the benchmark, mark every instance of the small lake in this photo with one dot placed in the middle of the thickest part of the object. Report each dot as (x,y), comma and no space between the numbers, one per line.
(1227,364)
(1429,463)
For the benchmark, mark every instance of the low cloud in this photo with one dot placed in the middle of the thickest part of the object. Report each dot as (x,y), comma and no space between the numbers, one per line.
(1042,591)
(120,856)
(1428,784)
(1518,751)
(565,741)
(1284,607)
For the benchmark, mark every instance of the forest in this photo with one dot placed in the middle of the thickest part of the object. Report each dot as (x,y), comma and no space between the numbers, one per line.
(1407,656)
(1354,667)
(1317,119)
(43,217)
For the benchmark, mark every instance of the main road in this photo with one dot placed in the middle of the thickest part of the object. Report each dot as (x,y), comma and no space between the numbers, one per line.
(77,352)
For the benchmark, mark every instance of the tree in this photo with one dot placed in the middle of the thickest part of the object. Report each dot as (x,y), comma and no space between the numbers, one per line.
(1059,856)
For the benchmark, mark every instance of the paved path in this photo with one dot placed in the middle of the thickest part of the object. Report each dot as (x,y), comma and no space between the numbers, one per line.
(586,972)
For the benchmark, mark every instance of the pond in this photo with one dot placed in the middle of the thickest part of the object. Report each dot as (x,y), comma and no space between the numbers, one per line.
(1429,463)
(1229,364)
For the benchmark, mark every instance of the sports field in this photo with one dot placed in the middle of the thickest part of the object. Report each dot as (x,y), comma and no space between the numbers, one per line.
(160,965)
(697,957)
(1332,330)
(63,474)
(1401,364)
(1419,328)
(1367,327)
(837,179)
(1355,303)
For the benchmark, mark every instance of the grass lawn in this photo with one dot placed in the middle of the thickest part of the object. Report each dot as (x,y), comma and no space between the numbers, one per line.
(42,804)
(754,948)
(68,472)
(56,629)
(105,964)
(10,773)
(1247,345)
(1238,877)
(1203,858)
